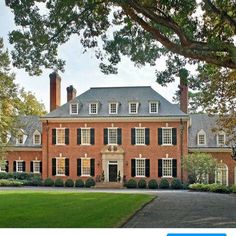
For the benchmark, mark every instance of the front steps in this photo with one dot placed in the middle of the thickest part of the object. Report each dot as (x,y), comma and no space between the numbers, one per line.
(108,185)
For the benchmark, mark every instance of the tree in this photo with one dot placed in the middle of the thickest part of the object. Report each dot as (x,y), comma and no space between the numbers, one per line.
(199,166)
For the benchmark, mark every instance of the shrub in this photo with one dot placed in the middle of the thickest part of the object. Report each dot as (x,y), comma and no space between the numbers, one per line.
(152,184)
(217,188)
(59,183)
(176,184)
(48,182)
(131,183)
(36,181)
(10,183)
(69,183)
(142,183)
(23,175)
(233,188)
(9,176)
(3,175)
(164,184)
(89,183)
(79,183)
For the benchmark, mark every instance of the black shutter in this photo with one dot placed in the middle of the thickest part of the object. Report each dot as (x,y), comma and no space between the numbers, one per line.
(14,166)
(67,135)
(78,167)
(54,166)
(78,136)
(54,136)
(174,168)
(119,136)
(105,136)
(147,167)
(41,167)
(67,167)
(92,167)
(23,166)
(133,169)
(174,136)
(159,167)
(147,139)
(7,166)
(92,136)
(32,166)
(133,136)
(160,136)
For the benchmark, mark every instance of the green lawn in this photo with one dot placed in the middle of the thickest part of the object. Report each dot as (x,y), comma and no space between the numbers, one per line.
(21,209)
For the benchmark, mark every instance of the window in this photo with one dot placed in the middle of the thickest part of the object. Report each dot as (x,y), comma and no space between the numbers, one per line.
(113,108)
(85,166)
(19,166)
(167,167)
(167,136)
(60,166)
(112,136)
(153,107)
(140,167)
(36,166)
(85,136)
(93,108)
(2,166)
(221,138)
(73,108)
(140,136)
(60,136)
(201,137)
(133,107)
(37,138)
(221,175)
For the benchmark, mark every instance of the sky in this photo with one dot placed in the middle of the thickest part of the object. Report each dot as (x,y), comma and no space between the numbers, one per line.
(82,70)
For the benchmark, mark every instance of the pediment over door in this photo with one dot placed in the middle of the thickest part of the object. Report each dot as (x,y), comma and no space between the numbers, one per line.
(112,149)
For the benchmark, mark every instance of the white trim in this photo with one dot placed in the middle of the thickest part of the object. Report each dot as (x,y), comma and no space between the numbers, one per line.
(166,128)
(86,128)
(208,149)
(17,162)
(60,158)
(21,132)
(140,144)
(217,138)
(227,172)
(140,158)
(93,103)
(114,103)
(77,108)
(108,136)
(167,176)
(108,164)
(20,149)
(201,132)
(85,158)
(157,107)
(36,132)
(137,106)
(36,161)
(60,144)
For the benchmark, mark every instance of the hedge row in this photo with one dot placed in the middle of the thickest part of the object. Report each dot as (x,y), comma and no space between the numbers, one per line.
(215,188)
(10,183)
(17,175)
(153,184)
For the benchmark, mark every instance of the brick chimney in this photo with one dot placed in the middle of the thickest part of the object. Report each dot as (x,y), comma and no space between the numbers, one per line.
(71,93)
(183,91)
(55,91)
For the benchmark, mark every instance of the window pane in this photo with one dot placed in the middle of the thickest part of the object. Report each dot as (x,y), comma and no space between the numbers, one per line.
(113,109)
(153,107)
(37,139)
(19,165)
(93,108)
(20,139)
(74,108)
(140,167)
(61,166)
(36,167)
(112,136)
(140,135)
(60,136)
(86,167)
(133,107)
(221,139)
(167,136)
(85,136)
(166,167)
(201,139)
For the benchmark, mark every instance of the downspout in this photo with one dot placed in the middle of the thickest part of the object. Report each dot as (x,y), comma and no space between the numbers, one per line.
(47,130)
(181,147)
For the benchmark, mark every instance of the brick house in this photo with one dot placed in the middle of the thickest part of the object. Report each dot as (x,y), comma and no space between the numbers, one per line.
(131,132)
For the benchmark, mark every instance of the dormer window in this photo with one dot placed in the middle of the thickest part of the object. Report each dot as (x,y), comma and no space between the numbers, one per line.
(37,138)
(133,107)
(153,107)
(113,108)
(74,108)
(93,108)
(221,138)
(21,138)
(201,137)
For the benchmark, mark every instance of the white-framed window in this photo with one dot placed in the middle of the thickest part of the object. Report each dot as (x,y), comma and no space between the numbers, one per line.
(19,166)
(74,108)
(153,107)
(2,166)
(112,136)
(60,166)
(36,166)
(140,167)
(167,167)
(139,136)
(60,134)
(133,107)
(93,108)
(6,138)
(21,137)
(221,138)
(166,136)
(201,137)
(221,175)
(113,108)
(36,138)
(85,166)
(85,136)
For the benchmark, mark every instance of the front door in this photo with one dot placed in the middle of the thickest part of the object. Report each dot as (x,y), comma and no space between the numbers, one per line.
(112,173)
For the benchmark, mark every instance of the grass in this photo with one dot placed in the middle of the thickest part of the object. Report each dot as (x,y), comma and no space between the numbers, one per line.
(21,209)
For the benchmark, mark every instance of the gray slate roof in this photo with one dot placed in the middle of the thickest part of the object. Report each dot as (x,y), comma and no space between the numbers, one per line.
(123,95)
(207,123)
(29,124)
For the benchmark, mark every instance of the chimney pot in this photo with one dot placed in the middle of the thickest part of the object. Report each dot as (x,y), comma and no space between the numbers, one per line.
(71,93)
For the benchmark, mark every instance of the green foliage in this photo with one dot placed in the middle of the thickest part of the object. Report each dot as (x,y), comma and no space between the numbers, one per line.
(198,166)
(69,183)
(59,183)
(3,175)
(48,182)
(233,188)
(176,184)
(10,183)
(79,183)
(152,184)
(142,183)
(132,183)
(215,188)
(164,183)
(89,183)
